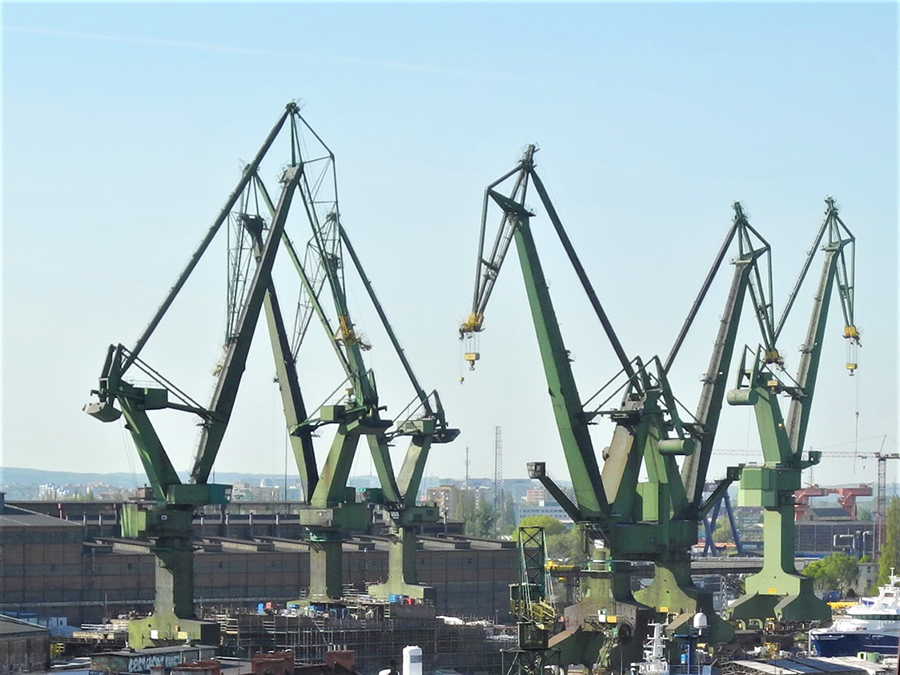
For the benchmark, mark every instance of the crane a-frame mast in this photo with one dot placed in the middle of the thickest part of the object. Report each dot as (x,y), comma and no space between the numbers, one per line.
(331,512)
(778,591)
(656,520)
(168,516)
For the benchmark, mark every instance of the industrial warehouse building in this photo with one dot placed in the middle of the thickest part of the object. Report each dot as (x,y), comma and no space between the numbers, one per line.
(24,647)
(80,569)
(67,560)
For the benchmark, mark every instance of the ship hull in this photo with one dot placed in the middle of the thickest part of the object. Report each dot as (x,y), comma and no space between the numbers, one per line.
(850,644)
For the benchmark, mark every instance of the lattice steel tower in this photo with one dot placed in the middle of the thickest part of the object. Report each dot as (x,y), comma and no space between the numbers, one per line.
(498,470)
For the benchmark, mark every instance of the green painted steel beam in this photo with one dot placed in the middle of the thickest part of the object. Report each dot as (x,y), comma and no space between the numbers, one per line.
(157,465)
(567,409)
(384,468)
(392,336)
(332,487)
(289,386)
(249,172)
(225,393)
(582,276)
(715,381)
(811,352)
(413,468)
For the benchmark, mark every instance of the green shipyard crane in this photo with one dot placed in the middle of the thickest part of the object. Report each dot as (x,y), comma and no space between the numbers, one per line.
(778,591)
(671,586)
(167,517)
(657,519)
(332,508)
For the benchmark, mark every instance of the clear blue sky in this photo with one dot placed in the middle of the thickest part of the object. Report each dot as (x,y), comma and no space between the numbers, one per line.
(124,126)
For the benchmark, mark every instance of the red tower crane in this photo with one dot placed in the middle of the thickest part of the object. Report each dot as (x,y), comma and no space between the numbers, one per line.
(880,490)
(849,495)
(802,497)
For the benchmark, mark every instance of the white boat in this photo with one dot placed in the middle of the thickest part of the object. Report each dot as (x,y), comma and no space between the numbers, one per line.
(871,626)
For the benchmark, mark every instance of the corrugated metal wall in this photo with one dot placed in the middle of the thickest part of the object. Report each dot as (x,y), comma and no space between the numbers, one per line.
(50,572)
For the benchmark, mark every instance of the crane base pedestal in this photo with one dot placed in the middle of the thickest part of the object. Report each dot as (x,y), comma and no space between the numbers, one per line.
(402,578)
(165,629)
(758,606)
(325,567)
(608,626)
(327,526)
(673,592)
(777,591)
(173,621)
(387,589)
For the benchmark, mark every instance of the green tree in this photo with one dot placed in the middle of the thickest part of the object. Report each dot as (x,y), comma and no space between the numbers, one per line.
(466,506)
(722,531)
(563,542)
(890,549)
(567,545)
(506,518)
(483,521)
(838,571)
(550,524)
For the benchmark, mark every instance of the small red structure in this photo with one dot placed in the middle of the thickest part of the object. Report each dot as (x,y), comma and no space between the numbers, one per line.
(846,497)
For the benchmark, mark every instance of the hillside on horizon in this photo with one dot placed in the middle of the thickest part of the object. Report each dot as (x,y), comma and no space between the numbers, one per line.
(20,476)
(127,480)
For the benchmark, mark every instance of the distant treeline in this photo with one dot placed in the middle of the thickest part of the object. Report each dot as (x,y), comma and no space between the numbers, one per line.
(16,476)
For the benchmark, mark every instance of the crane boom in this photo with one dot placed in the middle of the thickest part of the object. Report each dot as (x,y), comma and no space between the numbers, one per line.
(229,380)
(778,591)
(571,422)
(709,406)
(834,273)
(488,267)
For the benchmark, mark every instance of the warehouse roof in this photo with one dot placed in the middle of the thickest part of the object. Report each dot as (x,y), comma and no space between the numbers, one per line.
(847,665)
(11,627)
(12,516)
(826,513)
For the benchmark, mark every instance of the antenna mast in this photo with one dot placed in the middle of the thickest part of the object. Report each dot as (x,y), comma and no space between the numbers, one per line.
(498,470)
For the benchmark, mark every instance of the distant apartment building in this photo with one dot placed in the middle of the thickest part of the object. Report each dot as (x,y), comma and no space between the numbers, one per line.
(548,508)
(49,492)
(446,498)
(243,492)
(537,502)
(535,496)
(517,488)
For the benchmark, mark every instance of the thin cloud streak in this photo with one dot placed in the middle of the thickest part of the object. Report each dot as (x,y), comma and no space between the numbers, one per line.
(155,42)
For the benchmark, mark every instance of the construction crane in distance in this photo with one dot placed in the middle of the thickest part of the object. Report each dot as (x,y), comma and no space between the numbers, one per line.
(882,459)
(879,456)
(846,497)
(656,520)
(167,516)
(778,591)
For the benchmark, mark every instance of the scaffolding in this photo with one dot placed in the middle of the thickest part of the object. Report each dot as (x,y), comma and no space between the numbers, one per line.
(375,641)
